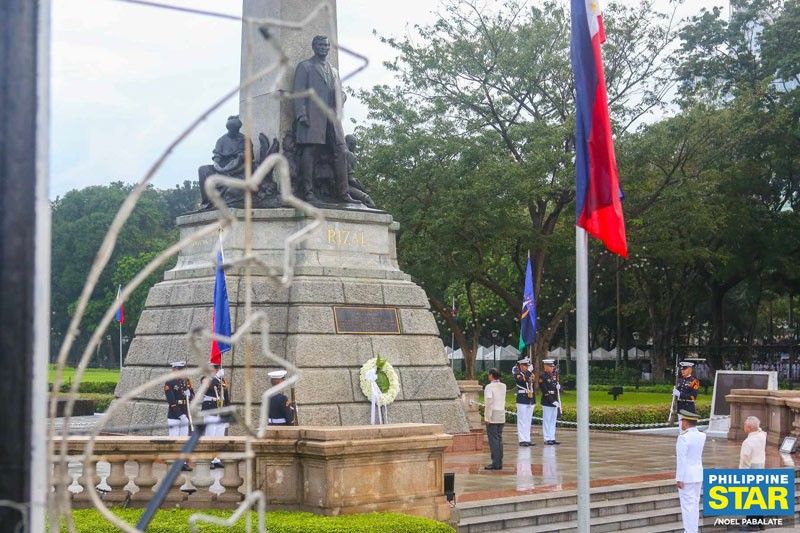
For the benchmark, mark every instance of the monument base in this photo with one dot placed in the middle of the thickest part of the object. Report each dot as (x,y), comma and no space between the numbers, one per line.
(349,302)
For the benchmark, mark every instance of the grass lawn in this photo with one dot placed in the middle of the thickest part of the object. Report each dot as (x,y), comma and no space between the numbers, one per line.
(176,520)
(93,375)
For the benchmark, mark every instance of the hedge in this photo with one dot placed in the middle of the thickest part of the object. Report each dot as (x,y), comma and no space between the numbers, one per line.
(609,414)
(90,387)
(176,520)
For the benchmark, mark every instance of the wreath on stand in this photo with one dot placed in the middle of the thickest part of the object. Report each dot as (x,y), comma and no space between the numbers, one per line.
(385,377)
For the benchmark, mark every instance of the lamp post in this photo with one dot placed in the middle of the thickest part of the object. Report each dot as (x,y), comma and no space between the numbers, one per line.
(125,340)
(494,346)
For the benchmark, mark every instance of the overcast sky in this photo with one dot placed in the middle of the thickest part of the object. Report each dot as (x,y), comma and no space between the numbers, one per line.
(126,79)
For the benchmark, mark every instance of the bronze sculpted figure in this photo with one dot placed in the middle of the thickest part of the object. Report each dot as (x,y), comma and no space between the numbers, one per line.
(228,157)
(314,129)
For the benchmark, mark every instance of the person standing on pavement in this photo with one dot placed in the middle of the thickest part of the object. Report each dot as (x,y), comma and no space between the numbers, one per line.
(494,415)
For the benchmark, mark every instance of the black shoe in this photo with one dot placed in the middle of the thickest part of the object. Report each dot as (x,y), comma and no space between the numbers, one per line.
(554,442)
(215,464)
(490,467)
(186,468)
(524,444)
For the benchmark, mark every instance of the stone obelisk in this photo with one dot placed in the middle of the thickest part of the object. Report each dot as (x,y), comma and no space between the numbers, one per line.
(349,300)
(260,106)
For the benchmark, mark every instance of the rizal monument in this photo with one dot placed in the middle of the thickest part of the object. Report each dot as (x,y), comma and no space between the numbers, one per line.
(349,300)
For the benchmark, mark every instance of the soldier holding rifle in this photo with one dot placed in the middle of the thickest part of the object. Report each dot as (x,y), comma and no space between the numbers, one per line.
(526,400)
(179,393)
(684,394)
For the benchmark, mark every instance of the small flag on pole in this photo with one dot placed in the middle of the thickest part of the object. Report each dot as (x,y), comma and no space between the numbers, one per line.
(120,307)
(454,309)
(598,202)
(221,315)
(527,326)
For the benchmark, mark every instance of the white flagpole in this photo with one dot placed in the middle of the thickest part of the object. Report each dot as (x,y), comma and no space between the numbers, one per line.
(119,303)
(453,340)
(582,373)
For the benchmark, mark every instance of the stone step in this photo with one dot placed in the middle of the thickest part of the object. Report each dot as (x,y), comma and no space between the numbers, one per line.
(605,517)
(706,523)
(531,502)
(548,518)
(600,524)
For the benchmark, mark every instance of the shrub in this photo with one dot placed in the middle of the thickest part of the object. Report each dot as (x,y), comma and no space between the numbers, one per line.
(609,414)
(505,377)
(101,387)
(172,520)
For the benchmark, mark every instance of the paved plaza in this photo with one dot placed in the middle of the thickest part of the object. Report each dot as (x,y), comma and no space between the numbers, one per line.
(616,458)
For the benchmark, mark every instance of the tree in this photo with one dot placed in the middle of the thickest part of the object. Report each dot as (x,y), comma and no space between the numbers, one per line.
(80,220)
(472,150)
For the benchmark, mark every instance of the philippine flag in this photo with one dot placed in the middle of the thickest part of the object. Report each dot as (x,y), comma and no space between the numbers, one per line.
(121,307)
(598,203)
(221,315)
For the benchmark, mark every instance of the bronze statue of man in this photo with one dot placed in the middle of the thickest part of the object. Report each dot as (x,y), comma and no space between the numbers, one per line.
(315,130)
(228,157)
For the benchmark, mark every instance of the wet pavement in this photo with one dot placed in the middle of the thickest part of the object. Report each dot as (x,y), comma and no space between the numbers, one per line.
(615,458)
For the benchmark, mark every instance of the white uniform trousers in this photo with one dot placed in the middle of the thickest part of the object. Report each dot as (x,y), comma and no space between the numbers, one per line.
(524,417)
(549,415)
(214,426)
(690,506)
(178,427)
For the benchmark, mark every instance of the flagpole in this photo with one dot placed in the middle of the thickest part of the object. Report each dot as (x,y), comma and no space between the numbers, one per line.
(453,341)
(582,373)
(120,346)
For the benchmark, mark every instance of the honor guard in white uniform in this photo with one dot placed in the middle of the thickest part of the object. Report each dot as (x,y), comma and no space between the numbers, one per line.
(217,396)
(281,411)
(526,400)
(689,469)
(548,383)
(179,393)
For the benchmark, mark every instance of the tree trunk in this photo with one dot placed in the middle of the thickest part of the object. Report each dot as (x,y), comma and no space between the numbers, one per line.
(659,352)
(717,326)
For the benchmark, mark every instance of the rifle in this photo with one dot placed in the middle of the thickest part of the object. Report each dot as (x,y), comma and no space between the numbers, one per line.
(673,406)
(186,395)
(558,391)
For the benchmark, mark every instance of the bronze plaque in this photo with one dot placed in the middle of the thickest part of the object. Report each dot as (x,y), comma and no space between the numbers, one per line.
(366,320)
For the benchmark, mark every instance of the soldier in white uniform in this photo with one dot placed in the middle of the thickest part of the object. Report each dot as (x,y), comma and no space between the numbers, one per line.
(548,383)
(689,469)
(526,400)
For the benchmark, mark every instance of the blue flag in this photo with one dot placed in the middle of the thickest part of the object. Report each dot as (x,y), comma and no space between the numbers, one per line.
(221,315)
(527,327)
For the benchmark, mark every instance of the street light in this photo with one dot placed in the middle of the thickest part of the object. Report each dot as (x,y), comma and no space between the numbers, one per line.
(494,346)
(125,340)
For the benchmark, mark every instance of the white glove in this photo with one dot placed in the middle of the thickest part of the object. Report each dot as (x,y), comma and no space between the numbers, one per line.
(558,386)
(187,393)
(220,373)
(676,392)
(557,405)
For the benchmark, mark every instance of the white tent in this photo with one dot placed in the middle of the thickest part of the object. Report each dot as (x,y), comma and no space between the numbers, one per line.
(508,353)
(601,354)
(458,354)
(638,353)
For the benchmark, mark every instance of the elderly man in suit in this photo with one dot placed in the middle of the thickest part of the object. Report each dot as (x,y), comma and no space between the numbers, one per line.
(315,127)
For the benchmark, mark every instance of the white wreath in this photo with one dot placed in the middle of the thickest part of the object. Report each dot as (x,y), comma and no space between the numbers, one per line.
(387,397)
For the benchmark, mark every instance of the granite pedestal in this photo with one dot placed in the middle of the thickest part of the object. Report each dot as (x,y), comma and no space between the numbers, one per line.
(328,323)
